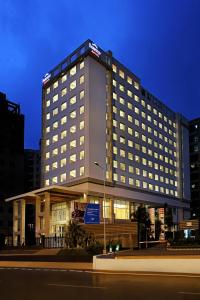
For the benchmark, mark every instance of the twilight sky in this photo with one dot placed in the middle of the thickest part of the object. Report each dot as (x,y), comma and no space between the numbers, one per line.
(159,40)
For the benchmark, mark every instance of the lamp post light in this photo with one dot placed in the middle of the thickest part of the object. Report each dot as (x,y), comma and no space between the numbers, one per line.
(104,211)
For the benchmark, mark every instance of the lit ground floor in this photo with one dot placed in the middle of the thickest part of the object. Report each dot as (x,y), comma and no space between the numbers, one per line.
(46,212)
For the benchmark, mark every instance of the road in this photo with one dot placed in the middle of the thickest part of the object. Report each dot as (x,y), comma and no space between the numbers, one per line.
(37,284)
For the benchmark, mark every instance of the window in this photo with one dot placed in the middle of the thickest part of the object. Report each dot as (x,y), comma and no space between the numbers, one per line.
(82,154)
(82,65)
(55,152)
(122,167)
(72,100)
(55,138)
(47,142)
(48,90)
(63,148)
(72,85)
(72,129)
(55,180)
(122,126)
(130,106)
(136,85)
(72,144)
(63,106)
(130,131)
(73,114)
(82,124)
(55,98)
(137,110)
(64,78)
(47,155)
(55,111)
(122,113)
(81,109)
(48,103)
(122,140)
(48,116)
(121,87)
(130,143)
(122,153)
(82,138)
(55,125)
(81,79)
(121,209)
(47,129)
(47,168)
(121,74)
(63,120)
(82,170)
(136,98)
(130,169)
(63,92)
(114,96)
(54,165)
(129,80)
(72,173)
(72,71)
(47,182)
(129,93)
(72,158)
(63,177)
(82,93)
(63,134)
(121,100)
(55,85)
(114,68)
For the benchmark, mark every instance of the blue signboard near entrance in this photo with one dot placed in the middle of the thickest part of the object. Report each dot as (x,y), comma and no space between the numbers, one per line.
(92,214)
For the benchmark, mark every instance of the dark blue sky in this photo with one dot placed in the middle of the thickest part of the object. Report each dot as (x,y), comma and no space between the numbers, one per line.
(159,40)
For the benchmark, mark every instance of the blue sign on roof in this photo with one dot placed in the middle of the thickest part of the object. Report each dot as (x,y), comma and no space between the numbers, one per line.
(92,214)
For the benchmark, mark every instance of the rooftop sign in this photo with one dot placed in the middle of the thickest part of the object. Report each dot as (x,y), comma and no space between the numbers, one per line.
(94,49)
(46,78)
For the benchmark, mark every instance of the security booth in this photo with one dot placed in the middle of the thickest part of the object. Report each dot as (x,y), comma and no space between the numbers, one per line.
(189,229)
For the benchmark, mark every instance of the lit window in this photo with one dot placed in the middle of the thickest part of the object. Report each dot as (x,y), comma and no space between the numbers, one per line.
(136,134)
(114,136)
(81,79)
(122,113)
(130,143)
(81,109)
(122,153)
(136,98)
(123,179)
(72,71)
(82,93)
(121,100)
(130,169)
(115,164)
(143,115)
(114,83)
(137,110)
(48,90)
(144,185)
(55,180)
(48,116)
(114,96)
(137,123)
(47,142)
(47,155)
(72,85)
(114,68)
(129,93)
(130,156)
(55,85)
(82,170)
(143,103)
(72,173)
(155,111)
(55,152)
(149,118)
(47,182)
(73,114)
(122,126)
(55,125)
(55,138)
(130,106)
(137,183)
(82,154)
(63,106)
(63,148)
(48,103)
(137,171)
(64,78)
(121,87)
(121,74)
(73,129)
(82,124)
(136,85)
(47,168)
(55,98)
(114,150)
(55,111)
(122,140)
(63,134)
(129,80)
(115,177)
(82,138)
(114,123)
(72,144)
(122,167)
(63,177)
(47,129)
(72,100)
(63,120)
(82,65)
(72,158)
(130,131)
(54,165)
(137,159)
(63,92)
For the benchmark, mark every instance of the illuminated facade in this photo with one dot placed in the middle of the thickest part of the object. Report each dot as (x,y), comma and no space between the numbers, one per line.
(96,110)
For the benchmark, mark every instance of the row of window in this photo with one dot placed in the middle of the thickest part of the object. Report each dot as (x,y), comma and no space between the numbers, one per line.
(143,184)
(72,100)
(122,101)
(64,77)
(144,149)
(63,177)
(63,148)
(72,115)
(128,78)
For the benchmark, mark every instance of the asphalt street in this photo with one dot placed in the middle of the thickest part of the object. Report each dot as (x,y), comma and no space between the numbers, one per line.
(36,284)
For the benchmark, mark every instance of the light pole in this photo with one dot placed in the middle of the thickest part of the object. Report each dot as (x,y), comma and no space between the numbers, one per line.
(104,205)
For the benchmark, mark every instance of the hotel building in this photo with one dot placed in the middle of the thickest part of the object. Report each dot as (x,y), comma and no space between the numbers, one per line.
(94,109)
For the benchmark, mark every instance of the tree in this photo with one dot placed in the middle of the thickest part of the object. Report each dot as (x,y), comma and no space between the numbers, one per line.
(77,236)
(144,223)
(168,217)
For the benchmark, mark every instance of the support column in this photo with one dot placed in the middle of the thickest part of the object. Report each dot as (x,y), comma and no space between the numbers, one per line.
(47,214)
(37,216)
(22,221)
(15,223)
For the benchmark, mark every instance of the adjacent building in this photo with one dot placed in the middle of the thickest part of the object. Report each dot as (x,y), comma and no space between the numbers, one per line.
(195,167)
(11,158)
(104,134)
(31,169)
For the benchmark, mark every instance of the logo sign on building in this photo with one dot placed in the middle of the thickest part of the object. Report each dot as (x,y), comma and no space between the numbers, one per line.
(46,78)
(94,49)
(92,214)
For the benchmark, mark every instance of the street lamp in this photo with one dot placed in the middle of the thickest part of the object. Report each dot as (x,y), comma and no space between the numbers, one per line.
(104,212)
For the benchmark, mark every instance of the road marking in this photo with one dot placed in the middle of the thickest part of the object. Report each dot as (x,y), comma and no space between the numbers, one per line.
(76,286)
(188,293)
